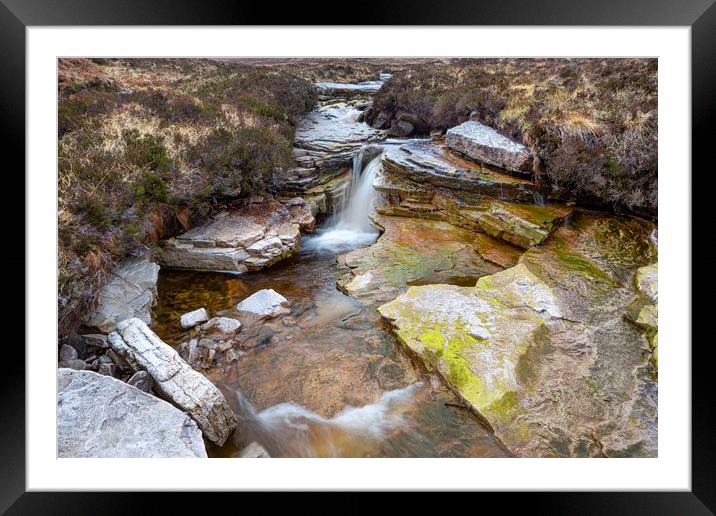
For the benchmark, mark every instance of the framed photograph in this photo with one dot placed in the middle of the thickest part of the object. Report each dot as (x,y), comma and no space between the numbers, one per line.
(429,243)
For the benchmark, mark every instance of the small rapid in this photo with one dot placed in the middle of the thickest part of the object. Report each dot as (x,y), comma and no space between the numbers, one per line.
(351,227)
(290,430)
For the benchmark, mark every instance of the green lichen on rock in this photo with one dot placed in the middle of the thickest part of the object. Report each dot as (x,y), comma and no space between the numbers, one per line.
(644,310)
(523,225)
(540,350)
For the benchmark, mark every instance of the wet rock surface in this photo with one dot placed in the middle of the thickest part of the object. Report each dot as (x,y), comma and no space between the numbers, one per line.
(326,142)
(174,379)
(130,292)
(484,144)
(540,350)
(244,239)
(409,252)
(99,416)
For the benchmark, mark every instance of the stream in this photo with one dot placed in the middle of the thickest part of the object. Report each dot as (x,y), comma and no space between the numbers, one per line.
(328,379)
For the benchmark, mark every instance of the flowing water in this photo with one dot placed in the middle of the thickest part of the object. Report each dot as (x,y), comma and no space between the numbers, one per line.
(328,379)
(351,227)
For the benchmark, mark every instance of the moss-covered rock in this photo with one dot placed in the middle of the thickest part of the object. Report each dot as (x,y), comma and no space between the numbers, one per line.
(540,350)
(644,310)
(524,225)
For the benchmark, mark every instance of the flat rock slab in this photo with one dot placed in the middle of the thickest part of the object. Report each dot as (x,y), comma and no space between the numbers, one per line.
(246,239)
(130,292)
(326,140)
(523,225)
(433,163)
(542,351)
(174,379)
(496,251)
(409,252)
(265,304)
(100,416)
(484,144)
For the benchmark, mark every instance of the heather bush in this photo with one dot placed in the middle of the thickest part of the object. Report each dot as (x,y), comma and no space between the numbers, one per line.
(592,123)
(147,145)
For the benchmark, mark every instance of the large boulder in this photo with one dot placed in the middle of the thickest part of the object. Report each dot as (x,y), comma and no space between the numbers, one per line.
(130,292)
(99,416)
(174,379)
(484,144)
(541,351)
(430,163)
(245,239)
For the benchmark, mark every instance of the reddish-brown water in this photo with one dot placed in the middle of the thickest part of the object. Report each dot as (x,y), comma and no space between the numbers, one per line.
(328,379)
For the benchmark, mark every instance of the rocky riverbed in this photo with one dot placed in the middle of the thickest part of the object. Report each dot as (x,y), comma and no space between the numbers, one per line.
(454,310)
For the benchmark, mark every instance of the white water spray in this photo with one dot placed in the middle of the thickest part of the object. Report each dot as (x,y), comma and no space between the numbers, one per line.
(288,429)
(351,227)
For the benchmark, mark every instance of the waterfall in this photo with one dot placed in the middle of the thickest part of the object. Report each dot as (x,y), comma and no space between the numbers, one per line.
(351,227)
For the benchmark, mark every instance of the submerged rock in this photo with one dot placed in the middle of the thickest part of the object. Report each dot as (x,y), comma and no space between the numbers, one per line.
(130,292)
(486,145)
(175,380)
(254,451)
(540,351)
(191,319)
(411,251)
(99,416)
(265,304)
(246,239)
(213,341)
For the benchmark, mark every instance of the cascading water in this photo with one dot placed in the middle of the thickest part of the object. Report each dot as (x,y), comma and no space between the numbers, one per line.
(290,430)
(351,227)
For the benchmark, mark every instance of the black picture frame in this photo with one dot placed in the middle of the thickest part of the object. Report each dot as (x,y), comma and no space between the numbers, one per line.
(17,15)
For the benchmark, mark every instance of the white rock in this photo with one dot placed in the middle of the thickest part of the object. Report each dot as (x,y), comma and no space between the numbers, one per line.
(191,319)
(265,303)
(174,379)
(130,292)
(100,416)
(484,144)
